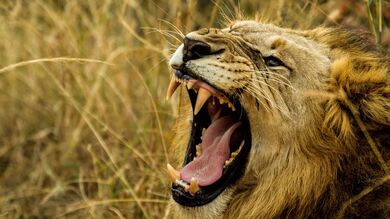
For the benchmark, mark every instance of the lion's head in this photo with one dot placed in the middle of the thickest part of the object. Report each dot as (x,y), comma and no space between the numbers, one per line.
(284,122)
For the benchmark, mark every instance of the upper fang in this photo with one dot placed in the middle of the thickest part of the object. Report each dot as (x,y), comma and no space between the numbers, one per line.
(203,96)
(172,87)
(174,174)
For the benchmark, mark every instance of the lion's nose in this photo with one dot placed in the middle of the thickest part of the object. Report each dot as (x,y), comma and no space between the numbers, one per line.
(194,49)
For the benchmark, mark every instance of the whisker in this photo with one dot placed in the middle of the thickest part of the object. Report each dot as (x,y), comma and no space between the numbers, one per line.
(174,27)
(272,102)
(269,86)
(280,82)
(272,73)
(167,33)
(257,93)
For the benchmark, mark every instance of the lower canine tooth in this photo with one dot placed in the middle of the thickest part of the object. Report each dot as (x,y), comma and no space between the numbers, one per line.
(174,174)
(172,87)
(193,188)
(203,96)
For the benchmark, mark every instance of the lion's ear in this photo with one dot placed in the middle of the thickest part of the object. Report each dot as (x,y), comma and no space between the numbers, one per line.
(363,84)
(375,106)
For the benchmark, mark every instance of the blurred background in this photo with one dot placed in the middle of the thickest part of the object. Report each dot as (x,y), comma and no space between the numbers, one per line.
(84,126)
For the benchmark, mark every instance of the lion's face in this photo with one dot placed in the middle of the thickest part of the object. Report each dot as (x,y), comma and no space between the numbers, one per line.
(247,86)
(259,71)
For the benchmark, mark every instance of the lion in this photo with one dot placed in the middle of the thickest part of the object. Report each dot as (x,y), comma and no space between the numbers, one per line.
(280,123)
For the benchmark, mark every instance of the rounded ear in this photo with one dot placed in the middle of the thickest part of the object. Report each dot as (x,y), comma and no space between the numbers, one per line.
(375,106)
(360,85)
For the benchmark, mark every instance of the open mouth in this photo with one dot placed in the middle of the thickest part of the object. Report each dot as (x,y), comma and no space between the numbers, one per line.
(219,143)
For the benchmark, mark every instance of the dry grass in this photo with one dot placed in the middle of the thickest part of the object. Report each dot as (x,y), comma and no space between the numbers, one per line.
(84,126)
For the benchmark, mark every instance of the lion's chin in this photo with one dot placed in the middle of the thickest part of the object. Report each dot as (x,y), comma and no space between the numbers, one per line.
(212,210)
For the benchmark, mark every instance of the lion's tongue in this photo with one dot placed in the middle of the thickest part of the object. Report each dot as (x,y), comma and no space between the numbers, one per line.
(208,168)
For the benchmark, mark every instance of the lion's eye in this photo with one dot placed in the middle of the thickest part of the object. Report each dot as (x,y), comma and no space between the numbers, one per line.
(272,61)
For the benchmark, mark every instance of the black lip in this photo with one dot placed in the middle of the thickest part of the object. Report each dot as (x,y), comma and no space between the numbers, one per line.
(230,175)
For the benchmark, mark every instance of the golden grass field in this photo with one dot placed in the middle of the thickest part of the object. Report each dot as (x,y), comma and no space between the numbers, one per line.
(85,128)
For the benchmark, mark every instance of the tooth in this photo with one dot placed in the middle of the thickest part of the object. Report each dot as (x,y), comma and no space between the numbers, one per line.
(189,85)
(231,106)
(174,174)
(234,154)
(172,87)
(198,150)
(239,148)
(182,184)
(222,100)
(242,144)
(203,96)
(227,162)
(193,188)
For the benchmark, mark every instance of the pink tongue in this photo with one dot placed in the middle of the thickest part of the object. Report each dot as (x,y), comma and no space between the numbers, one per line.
(208,168)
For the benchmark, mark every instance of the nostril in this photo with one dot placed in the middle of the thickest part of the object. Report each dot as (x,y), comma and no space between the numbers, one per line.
(201,49)
(194,49)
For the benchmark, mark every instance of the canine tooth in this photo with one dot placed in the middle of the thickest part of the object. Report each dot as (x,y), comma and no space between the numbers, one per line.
(193,188)
(203,96)
(172,87)
(174,174)
(234,154)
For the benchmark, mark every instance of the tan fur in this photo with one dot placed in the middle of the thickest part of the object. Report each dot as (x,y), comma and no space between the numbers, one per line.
(309,154)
